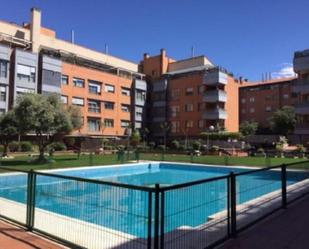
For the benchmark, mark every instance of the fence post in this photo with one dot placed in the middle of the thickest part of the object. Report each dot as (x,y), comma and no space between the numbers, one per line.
(149,225)
(30,199)
(233,204)
(91,158)
(226,160)
(156,216)
(162,207)
(283,185)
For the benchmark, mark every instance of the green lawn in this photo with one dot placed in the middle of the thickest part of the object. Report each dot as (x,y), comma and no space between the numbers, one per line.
(221,160)
(67,161)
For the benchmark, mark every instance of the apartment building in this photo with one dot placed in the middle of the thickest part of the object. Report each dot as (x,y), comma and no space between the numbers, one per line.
(301,89)
(190,95)
(259,100)
(110,91)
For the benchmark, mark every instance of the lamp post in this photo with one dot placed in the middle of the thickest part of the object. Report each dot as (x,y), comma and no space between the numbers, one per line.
(211,129)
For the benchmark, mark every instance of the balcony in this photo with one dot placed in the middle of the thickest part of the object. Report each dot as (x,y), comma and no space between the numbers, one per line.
(302,108)
(214,78)
(301,87)
(214,114)
(214,96)
(301,61)
(302,129)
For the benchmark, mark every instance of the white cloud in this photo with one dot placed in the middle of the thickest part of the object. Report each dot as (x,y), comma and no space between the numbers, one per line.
(285,71)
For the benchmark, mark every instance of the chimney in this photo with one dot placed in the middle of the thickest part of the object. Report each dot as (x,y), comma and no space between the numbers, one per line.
(163,52)
(35,29)
(146,56)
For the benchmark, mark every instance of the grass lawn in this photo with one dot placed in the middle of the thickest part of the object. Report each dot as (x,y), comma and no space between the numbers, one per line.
(221,160)
(66,161)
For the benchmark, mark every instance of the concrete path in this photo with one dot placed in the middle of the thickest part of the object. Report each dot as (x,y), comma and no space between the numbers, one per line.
(286,229)
(13,237)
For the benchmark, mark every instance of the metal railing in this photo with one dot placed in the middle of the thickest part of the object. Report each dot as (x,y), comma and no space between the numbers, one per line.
(92,213)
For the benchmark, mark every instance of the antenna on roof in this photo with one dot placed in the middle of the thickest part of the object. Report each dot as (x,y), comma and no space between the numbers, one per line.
(72,36)
(192,51)
(106,48)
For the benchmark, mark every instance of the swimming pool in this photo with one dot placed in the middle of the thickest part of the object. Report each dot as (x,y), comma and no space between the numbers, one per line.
(126,210)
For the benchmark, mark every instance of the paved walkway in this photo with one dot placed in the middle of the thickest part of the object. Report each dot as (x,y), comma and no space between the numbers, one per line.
(13,237)
(286,229)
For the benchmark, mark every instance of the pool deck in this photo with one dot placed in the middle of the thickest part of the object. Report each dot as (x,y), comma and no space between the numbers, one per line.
(12,236)
(285,229)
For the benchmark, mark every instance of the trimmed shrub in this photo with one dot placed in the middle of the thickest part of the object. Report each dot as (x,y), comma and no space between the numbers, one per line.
(26,146)
(175,144)
(196,145)
(14,146)
(222,135)
(214,148)
(57,146)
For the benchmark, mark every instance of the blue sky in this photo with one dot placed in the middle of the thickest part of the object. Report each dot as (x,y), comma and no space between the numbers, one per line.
(248,37)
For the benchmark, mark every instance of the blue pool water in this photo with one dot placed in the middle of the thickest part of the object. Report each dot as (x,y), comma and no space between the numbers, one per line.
(126,210)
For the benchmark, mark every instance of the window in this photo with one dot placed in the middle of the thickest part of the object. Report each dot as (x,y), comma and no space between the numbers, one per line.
(189,123)
(175,111)
(78,101)
(2,111)
(109,122)
(243,111)
(243,100)
(138,114)
(109,105)
(94,106)
(64,79)
(252,110)
(252,99)
(268,97)
(64,99)
(21,90)
(189,107)
(26,73)
(189,91)
(3,68)
(125,91)
(175,126)
(140,95)
(201,124)
(94,124)
(175,94)
(109,88)
(2,93)
(125,108)
(285,96)
(78,82)
(268,108)
(94,87)
(125,123)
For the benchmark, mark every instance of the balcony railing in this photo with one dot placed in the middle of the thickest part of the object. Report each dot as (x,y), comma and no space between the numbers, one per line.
(301,63)
(214,78)
(94,109)
(214,114)
(302,129)
(302,108)
(213,96)
(301,87)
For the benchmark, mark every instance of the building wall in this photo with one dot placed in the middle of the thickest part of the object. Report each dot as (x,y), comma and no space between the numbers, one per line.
(117,98)
(232,105)
(260,101)
(5,53)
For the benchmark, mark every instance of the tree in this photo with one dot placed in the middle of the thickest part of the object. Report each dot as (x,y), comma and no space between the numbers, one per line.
(135,138)
(8,130)
(248,128)
(47,117)
(283,120)
(165,127)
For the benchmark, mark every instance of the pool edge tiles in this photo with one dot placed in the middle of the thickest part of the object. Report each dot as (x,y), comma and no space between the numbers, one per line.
(72,228)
